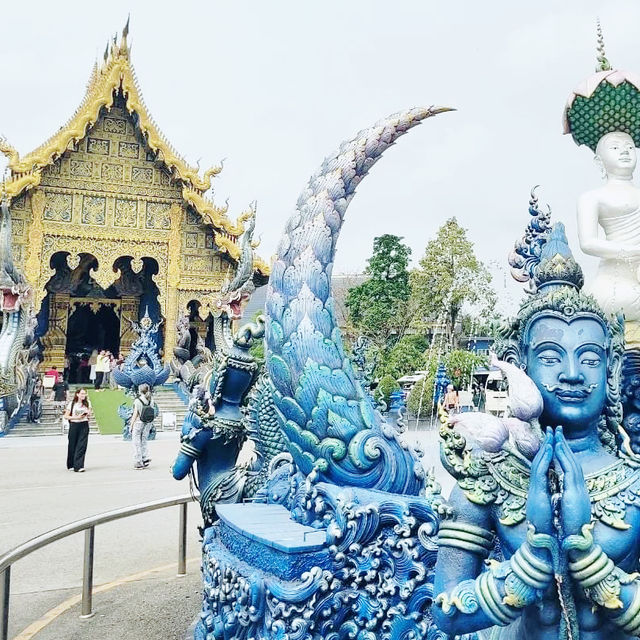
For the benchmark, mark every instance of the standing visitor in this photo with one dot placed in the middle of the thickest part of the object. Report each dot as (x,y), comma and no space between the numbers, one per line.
(451,400)
(102,367)
(144,412)
(108,357)
(77,414)
(93,361)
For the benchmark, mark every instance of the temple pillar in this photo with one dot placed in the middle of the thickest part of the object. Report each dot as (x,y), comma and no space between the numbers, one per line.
(55,340)
(129,313)
(176,214)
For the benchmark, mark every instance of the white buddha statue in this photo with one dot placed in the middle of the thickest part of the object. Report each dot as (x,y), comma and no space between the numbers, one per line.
(616,208)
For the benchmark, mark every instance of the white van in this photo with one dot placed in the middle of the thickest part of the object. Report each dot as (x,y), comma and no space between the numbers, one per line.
(496,394)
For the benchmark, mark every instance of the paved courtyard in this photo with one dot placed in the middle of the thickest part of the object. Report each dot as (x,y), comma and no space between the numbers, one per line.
(135,558)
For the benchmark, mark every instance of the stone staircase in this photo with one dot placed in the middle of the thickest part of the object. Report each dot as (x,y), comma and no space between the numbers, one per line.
(169,401)
(50,423)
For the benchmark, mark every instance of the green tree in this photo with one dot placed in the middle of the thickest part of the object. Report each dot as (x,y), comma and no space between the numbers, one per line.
(405,357)
(450,276)
(378,307)
(460,365)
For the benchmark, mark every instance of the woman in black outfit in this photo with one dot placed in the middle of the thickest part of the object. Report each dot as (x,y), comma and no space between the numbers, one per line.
(78,413)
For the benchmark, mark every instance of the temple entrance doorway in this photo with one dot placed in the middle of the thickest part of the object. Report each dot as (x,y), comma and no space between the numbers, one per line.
(92,326)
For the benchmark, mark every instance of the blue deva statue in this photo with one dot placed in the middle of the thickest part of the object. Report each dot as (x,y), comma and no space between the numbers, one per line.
(550,495)
(141,366)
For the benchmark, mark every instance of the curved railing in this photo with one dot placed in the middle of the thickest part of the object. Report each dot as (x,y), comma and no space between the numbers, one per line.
(88,525)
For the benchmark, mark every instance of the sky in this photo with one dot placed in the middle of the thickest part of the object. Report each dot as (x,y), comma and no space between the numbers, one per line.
(273,86)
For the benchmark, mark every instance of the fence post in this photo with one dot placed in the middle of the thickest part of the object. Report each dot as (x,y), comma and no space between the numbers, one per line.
(87,573)
(5,586)
(182,540)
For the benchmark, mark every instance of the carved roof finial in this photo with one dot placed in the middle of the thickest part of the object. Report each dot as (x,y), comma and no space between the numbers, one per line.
(603,63)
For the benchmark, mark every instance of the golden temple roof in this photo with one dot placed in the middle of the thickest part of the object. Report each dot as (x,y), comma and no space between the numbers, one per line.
(116,75)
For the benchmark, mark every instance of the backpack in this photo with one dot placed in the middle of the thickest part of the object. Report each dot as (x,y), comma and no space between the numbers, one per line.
(148,412)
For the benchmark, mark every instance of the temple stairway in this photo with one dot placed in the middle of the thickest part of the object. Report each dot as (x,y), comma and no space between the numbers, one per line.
(169,401)
(50,422)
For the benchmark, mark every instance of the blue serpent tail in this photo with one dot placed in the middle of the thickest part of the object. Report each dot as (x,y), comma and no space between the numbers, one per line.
(328,422)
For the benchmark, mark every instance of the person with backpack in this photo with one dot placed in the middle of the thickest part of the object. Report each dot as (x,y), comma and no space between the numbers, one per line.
(77,414)
(145,410)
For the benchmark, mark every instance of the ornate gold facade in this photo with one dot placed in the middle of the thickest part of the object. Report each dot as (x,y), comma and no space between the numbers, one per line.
(108,184)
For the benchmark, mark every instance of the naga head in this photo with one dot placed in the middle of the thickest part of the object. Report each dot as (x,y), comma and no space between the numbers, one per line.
(14,289)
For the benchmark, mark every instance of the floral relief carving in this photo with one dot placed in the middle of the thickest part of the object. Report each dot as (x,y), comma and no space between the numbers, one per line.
(128,149)
(58,206)
(126,213)
(112,172)
(93,209)
(114,125)
(158,215)
(142,174)
(100,147)
(81,169)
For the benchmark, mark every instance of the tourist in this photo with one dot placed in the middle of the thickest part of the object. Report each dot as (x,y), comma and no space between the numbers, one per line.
(67,367)
(93,361)
(52,376)
(108,358)
(145,410)
(451,400)
(83,366)
(60,389)
(35,403)
(77,414)
(102,367)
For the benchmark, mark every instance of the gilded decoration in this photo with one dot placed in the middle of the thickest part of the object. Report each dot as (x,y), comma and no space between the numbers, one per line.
(143,175)
(100,147)
(115,125)
(58,207)
(110,82)
(108,184)
(112,172)
(129,150)
(81,169)
(94,209)
(126,213)
(157,215)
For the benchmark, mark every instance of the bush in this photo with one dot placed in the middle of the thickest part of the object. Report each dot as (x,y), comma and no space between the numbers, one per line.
(386,385)
(421,398)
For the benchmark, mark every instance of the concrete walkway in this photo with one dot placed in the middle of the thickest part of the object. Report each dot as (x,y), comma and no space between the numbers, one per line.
(138,594)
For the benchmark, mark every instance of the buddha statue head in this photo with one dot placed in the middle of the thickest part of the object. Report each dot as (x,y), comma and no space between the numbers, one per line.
(616,155)
(563,339)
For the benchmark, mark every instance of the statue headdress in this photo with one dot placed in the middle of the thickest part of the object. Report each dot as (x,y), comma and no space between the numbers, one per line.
(607,101)
(543,260)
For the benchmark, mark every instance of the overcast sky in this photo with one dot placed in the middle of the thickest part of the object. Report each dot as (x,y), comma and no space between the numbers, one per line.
(274,86)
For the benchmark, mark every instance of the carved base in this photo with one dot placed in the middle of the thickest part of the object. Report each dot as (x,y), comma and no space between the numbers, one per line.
(369,569)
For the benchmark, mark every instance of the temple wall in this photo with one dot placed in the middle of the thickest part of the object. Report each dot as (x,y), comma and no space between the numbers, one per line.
(111,196)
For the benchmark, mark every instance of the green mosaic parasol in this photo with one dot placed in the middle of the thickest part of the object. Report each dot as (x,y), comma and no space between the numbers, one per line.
(607,101)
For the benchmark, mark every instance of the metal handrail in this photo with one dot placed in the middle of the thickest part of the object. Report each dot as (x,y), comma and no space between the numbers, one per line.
(87,525)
